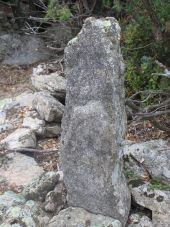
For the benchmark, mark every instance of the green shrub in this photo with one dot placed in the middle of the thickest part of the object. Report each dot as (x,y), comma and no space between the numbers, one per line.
(140,50)
(58,12)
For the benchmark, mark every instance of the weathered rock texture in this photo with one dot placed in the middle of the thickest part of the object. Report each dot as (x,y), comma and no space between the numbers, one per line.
(20,169)
(152,155)
(20,138)
(54,83)
(74,217)
(94,121)
(158,201)
(48,107)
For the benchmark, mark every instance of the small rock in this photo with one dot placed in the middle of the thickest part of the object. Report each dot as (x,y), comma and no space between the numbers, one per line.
(25,99)
(35,124)
(153,155)
(74,217)
(52,130)
(40,187)
(158,201)
(20,169)
(56,199)
(21,138)
(5,127)
(48,107)
(137,220)
(53,83)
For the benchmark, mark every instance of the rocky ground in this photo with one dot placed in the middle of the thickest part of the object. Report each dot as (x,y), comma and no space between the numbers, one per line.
(30,121)
(31,183)
(32,193)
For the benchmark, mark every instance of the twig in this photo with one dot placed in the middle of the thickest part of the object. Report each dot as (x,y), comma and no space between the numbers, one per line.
(142,165)
(138,48)
(31,150)
(150,115)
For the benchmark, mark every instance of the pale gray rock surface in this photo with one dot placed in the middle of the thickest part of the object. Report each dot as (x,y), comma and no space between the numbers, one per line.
(54,83)
(25,99)
(94,122)
(151,155)
(48,107)
(39,188)
(158,201)
(76,217)
(20,138)
(35,124)
(20,169)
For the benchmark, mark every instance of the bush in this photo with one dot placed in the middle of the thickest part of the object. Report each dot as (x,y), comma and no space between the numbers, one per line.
(140,50)
(58,12)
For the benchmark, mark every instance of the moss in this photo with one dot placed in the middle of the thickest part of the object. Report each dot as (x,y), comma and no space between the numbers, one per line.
(157,183)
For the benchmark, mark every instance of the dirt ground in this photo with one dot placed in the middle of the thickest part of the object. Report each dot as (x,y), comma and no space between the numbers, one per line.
(14,80)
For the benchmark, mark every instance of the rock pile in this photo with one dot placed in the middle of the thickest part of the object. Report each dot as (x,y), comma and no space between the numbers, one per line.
(24,121)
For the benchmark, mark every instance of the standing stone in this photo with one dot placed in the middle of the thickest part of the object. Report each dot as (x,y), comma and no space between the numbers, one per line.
(94,121)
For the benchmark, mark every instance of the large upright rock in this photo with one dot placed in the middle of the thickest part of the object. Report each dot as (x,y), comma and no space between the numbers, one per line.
(94,121)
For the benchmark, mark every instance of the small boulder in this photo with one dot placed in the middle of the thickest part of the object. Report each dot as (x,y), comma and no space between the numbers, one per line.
(72,217)
(20,169)
(48,107)
(56,199)
(35,124)
(20,138)
(52,130)
(53,83)
(151,156)
(158,201)
(41,186)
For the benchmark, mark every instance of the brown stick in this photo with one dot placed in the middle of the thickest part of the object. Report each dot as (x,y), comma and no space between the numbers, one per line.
(31,150)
